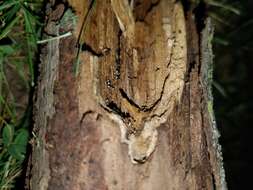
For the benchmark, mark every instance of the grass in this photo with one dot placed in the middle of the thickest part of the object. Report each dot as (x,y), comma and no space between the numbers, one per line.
(19,31)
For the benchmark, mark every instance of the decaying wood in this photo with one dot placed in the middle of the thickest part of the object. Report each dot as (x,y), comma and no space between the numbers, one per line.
(137,115)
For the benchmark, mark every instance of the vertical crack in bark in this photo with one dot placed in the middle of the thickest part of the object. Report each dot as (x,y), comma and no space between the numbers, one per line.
(117,73)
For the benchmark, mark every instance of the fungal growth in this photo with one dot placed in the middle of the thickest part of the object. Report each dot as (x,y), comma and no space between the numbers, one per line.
(146,80)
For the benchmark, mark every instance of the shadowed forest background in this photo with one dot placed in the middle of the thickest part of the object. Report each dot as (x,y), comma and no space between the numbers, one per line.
(233,92)
(20,26)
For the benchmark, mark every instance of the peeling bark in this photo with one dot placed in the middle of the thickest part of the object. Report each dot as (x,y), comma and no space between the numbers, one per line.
(138,115)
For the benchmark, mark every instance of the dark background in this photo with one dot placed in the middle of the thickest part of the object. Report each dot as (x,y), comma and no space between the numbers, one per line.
(233,92)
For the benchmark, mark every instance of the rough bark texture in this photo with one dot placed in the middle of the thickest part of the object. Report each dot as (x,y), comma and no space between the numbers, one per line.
(142,91)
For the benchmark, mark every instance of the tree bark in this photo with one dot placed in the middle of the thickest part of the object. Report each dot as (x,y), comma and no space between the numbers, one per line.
(136,112)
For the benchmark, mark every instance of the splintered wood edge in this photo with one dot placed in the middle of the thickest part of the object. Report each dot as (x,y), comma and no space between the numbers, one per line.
(174,83)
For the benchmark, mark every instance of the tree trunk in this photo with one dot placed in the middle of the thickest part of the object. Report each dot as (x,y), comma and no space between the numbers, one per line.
(125,101)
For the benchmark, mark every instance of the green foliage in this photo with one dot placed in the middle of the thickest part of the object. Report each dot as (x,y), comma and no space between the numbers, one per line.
(12,153)
(7,135)
(20,13)
(14,142)
(18,148)
(19,31)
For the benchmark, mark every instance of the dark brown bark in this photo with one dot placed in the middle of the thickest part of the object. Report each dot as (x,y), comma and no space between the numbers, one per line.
(144,69)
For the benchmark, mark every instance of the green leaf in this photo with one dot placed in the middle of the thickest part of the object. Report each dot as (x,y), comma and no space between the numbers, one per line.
(8,27)
(29,27)
(10,14)
(7,4)
(18,148)
(7,49)
(8,132)
(31,41)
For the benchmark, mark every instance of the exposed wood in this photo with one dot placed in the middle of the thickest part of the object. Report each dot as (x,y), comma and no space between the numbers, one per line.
(136,116)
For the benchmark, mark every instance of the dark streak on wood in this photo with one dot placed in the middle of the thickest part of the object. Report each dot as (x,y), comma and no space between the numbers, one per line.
(179,133)
(200,164)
